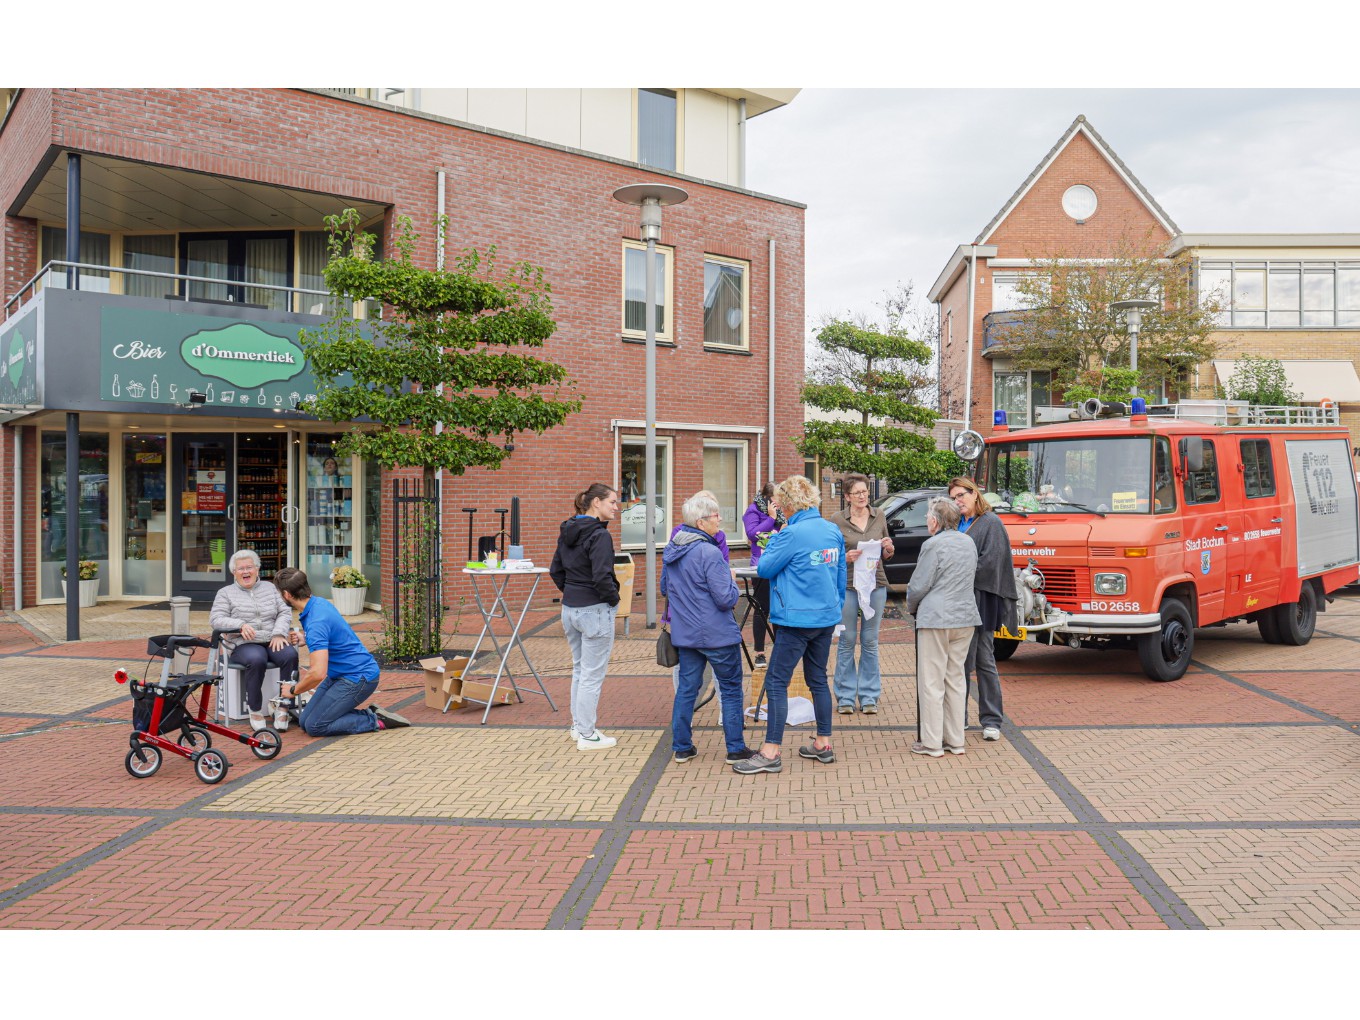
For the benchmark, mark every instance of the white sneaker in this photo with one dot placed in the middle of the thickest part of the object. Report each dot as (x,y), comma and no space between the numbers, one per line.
(991,733)
(596,743)
(573,733)
(258,721)
(281,719)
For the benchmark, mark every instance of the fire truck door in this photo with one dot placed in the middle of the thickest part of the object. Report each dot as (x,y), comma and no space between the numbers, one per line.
(1210,523)
(1262,542)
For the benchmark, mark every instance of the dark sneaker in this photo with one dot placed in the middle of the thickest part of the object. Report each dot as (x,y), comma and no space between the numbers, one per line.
(683,756)
(390,720)
(735,756)
(760,661)
(825,755)
(758,763)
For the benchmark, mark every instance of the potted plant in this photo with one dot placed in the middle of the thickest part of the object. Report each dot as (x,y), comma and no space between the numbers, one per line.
(89,583)
(348,588)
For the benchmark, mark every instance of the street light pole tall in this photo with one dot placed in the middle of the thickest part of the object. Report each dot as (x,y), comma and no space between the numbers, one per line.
(1133,310)
(651,198)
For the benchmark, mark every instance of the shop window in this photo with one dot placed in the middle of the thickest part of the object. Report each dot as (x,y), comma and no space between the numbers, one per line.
(633,492)
(329,534)
(725,477)
(635,291)
(725,302)
(146,537)
(93,509)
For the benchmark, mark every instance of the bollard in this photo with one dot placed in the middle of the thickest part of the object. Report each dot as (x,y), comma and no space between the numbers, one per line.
(179,624)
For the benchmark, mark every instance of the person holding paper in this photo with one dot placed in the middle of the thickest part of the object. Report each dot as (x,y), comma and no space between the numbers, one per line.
(867,545)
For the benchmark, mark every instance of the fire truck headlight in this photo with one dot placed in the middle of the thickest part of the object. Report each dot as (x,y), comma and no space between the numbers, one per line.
(1111,584)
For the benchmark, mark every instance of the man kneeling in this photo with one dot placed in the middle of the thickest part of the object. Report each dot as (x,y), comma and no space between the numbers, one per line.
(345,670)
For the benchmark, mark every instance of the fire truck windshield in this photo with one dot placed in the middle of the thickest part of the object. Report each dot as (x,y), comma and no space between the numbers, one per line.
(1095,475)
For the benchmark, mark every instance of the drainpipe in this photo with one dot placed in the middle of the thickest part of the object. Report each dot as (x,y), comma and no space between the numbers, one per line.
(972,329)
(770,343)
(741,143)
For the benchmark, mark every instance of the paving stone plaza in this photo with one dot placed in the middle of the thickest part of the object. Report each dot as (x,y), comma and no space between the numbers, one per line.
(1228,799)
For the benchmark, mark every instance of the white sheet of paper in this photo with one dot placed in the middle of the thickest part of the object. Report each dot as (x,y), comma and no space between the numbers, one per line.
(866,574)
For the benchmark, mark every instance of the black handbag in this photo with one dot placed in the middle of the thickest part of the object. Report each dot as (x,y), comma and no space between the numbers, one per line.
(666,654)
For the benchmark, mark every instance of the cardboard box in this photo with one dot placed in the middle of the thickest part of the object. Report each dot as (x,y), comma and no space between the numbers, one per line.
(442,678)
(155,545)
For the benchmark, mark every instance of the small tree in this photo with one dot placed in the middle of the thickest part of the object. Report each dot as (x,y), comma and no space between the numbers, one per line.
(1261,381)
(877,374)
(1067,326)
(439,373)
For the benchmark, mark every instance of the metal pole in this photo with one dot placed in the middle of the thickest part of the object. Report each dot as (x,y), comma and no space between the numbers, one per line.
(72,219)
(72,526)
(650,463)
(1133,353)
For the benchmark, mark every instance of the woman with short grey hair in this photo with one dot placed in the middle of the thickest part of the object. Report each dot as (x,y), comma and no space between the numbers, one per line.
(940,596)
(258,613)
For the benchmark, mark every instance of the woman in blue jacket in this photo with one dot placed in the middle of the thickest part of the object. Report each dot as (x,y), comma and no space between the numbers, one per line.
(805,563)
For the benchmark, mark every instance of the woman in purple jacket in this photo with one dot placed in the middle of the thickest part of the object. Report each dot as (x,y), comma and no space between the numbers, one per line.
(761,520)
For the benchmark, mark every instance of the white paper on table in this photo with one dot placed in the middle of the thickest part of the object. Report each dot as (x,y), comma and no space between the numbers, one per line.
(866,574)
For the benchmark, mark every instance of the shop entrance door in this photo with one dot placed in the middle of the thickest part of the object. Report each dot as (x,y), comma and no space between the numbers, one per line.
(202,508)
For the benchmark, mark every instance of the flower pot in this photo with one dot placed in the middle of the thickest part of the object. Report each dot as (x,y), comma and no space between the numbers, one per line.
(348,601)
(89,592)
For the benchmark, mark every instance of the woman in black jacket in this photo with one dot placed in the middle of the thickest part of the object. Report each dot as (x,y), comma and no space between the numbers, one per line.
(994,589)
(583,570)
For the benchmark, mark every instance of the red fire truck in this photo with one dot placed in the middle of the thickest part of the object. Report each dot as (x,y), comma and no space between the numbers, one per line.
(1132,527)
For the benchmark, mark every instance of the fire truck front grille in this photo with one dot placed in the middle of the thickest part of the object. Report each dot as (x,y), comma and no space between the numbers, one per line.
(1067,587)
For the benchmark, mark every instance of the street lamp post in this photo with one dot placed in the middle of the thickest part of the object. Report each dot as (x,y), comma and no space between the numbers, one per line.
(1132,311)
(651,198)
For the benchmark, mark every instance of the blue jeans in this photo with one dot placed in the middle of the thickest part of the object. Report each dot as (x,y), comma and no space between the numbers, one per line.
(333,710)
(813,646)
(726,663)
(590,633)
(866,681)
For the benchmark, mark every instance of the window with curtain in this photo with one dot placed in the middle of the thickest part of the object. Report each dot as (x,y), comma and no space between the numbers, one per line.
(267,262)
(656,128)
(725,302)
(725,477)
(635,290)
(633,492)
(154,253)
(94,250)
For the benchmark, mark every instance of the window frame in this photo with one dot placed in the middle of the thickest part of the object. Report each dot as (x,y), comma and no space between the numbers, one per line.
(665,302)
(665,450)
(737,535)
(1327,313)
(674,95)
(1211,465)
(1254,472)
(744,344)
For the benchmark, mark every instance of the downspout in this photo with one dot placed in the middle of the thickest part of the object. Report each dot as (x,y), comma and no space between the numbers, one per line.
(770,342)
(741,143)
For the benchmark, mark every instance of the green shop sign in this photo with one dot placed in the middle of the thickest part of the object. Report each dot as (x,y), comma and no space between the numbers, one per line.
(151,357)
(18,370)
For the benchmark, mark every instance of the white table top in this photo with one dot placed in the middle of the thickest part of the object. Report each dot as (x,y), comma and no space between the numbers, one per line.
(745,571)
(503,572)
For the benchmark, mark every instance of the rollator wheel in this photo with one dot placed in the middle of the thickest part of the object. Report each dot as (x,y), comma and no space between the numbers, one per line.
(210,766)
(195,740)
(270,743)
(143,761)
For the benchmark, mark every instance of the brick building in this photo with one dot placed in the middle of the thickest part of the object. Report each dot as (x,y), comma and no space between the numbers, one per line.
(200,215)
(1291,297)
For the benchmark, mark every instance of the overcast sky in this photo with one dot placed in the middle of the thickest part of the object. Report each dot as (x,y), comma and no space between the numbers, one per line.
(895,179)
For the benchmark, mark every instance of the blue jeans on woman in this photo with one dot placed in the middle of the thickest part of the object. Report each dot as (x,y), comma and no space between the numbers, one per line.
(334,709)
(726,664)
(864,681)
(590,635)
(813,646)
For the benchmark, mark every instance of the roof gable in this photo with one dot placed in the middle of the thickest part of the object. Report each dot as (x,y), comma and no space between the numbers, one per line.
(1080,126)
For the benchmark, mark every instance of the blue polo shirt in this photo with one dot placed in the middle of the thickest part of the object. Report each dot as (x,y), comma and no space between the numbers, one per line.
(327,631)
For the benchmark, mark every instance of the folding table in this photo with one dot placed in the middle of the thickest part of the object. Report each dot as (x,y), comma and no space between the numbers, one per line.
(497,608)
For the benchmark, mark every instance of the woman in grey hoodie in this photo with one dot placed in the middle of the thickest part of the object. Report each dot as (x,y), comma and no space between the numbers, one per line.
(940,596)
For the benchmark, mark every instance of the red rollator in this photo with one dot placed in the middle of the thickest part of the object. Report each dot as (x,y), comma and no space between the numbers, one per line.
(160,709)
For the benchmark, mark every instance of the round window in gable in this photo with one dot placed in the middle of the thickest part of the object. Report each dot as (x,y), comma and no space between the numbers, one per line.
(1079,202)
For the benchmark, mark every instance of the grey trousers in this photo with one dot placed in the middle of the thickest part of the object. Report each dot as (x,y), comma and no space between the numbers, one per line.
(981,665)
(590,633)
(940,687)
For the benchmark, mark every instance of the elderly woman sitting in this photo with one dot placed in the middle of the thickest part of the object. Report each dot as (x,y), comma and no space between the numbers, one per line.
(261,616)
(940,596)
(701,594)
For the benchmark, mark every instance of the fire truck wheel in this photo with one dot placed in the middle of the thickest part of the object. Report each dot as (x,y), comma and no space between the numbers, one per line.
(1166,655)
(1295,622)
(1004,648)
(1270,630)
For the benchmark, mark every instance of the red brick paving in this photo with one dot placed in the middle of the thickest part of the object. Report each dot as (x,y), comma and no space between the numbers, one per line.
(1336,693)
(16,638)
(201,873)
(33,844)
(743,880)
(16,724)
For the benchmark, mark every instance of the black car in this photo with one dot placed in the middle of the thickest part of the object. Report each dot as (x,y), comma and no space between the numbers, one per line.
(906,513)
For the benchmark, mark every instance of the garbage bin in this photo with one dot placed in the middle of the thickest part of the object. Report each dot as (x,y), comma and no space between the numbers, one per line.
(623,572)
